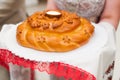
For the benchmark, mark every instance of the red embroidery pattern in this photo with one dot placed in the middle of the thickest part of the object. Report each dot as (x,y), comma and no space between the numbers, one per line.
(59,69)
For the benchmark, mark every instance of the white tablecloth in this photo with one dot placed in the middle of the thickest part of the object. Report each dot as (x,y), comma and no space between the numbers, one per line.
(94,57)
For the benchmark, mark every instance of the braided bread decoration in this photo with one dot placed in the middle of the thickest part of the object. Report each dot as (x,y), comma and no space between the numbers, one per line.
(54,33)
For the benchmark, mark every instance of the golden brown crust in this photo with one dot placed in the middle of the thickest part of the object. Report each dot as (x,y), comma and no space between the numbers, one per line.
(57,34)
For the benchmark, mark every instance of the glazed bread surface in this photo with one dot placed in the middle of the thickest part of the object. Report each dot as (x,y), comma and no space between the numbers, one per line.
(61,33)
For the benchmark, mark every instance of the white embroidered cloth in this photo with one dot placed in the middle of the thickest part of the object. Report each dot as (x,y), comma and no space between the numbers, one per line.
(94,57)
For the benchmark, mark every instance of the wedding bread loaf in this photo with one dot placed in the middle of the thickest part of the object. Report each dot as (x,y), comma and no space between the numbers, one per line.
(54,31)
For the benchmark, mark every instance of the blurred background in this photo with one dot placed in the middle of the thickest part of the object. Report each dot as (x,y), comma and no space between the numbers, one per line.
(35,5)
